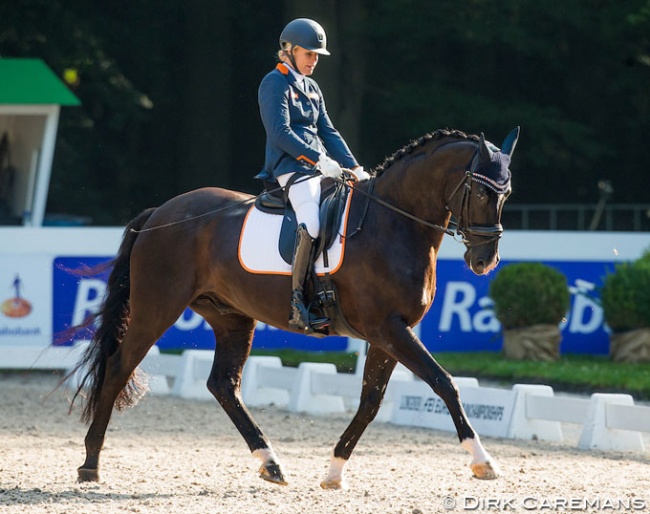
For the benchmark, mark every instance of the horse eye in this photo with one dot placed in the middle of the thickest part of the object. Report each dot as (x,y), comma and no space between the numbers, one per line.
(481,193)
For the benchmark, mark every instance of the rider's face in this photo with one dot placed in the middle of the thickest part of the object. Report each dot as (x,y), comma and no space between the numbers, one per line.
(306,60)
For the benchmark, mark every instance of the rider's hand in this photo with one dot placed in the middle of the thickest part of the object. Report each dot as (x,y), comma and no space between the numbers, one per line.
(329,167)
(360,174)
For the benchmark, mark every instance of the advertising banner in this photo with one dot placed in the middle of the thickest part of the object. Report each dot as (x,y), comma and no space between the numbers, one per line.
(461,318)
(25,300)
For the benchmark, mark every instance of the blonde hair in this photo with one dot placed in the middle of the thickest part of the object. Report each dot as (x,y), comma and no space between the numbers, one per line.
(283,53)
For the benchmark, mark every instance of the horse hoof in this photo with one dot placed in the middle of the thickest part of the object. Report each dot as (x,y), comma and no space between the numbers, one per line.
(485,470)
(333,484)
(88,475)
(272,473)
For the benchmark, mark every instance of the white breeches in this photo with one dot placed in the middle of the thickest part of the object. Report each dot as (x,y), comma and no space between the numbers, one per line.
(305,198)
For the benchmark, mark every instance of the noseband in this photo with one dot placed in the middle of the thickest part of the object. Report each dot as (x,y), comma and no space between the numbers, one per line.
(464,227)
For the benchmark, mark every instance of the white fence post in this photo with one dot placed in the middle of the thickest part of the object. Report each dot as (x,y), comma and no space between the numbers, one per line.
(596,433)
(523,425)
(258,392)
(192,378)
(302,399)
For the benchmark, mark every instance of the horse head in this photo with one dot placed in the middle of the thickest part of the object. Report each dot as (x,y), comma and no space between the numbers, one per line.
(484,191)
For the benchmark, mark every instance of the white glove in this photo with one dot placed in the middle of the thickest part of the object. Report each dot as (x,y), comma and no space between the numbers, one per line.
(329,167)
(360,174)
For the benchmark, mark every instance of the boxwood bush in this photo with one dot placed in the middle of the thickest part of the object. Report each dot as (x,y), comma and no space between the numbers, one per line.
(529,293)
(625,295)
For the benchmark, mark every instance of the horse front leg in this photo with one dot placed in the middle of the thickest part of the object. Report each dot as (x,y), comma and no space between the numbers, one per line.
(399,341)
(234,336)
(377,371)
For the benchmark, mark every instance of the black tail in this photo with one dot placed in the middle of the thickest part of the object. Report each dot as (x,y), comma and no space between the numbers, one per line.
(113,318)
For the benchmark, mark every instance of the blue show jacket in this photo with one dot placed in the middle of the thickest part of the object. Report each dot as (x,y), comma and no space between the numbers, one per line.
(297,126)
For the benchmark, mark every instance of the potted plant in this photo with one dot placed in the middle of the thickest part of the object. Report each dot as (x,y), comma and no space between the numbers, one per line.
(530,299)
(625,297)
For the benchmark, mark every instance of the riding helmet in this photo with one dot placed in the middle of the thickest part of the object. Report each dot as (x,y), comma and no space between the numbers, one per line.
(307,34)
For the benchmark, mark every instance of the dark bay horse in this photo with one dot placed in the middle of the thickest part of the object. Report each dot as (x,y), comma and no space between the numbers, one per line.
(184,253)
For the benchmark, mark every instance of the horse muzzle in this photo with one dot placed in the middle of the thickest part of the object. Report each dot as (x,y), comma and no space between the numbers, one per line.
(482,243)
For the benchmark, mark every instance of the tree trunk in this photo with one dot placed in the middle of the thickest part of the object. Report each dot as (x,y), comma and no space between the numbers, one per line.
(204,136)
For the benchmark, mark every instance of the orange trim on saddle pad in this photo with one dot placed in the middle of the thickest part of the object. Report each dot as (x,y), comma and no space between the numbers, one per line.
(263,257)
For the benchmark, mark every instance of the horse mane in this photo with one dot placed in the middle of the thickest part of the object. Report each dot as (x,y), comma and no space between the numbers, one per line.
(408,149)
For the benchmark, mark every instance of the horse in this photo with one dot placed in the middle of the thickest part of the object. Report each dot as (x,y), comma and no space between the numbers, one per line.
(185,253)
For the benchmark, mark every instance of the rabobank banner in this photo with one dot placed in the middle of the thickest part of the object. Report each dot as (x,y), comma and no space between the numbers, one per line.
(461,318)
(74,298)
(40,297)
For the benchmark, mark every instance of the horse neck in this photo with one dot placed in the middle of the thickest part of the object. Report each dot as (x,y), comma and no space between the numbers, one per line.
(423,182)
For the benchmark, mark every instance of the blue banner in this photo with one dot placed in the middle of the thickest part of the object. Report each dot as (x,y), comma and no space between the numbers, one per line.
(461,318)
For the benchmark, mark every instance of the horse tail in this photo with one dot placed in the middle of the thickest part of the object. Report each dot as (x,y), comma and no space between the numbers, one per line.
(113,319)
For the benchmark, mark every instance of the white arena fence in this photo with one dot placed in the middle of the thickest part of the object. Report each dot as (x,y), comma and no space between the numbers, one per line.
(608,421)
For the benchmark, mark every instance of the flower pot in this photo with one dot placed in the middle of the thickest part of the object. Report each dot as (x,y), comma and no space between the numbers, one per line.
(535,343)
(630,346)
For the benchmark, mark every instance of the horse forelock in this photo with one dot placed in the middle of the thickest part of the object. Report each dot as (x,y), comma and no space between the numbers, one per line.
(438,137)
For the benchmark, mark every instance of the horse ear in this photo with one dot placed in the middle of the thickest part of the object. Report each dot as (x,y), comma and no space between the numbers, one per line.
(485,154)
(510,142)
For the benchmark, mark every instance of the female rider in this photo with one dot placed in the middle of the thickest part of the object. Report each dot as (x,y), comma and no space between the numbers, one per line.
(300,142)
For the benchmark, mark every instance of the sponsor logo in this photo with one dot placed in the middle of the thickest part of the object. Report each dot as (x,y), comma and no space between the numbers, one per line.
(16,306)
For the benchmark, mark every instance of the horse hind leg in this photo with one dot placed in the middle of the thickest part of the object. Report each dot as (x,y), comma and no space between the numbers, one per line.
(119,371)
(377,371)
(234,336)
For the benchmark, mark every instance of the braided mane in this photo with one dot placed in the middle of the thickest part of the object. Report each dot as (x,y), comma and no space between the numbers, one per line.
(420,142)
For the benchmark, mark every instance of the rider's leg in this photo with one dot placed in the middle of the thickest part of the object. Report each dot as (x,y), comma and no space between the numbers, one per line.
(304,195)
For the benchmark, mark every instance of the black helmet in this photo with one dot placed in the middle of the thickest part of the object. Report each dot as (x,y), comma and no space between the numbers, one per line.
(307,34)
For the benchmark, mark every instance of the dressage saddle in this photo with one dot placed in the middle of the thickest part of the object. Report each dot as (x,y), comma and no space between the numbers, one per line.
(332,205)
(321,295)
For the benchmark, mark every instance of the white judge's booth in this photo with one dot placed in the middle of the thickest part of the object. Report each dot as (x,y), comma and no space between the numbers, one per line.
(31,96)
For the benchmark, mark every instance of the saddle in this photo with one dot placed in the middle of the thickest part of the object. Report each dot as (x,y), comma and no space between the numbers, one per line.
(321,293)
(332,205)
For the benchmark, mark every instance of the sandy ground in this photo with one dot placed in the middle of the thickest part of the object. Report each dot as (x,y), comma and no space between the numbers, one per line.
(169,455)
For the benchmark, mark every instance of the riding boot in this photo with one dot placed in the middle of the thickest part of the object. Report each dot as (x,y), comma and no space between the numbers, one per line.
(302,262)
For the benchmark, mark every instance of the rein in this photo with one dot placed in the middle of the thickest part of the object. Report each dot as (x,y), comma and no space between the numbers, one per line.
(369,196)
(488,232)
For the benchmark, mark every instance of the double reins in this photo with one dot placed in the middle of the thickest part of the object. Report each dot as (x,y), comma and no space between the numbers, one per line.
(488,233)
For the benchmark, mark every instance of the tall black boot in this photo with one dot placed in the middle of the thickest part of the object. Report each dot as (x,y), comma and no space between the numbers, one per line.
(302,262)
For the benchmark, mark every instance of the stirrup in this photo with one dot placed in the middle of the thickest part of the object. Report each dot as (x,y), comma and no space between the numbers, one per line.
(301,316)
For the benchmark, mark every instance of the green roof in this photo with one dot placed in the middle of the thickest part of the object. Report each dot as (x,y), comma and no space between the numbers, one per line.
(30,81)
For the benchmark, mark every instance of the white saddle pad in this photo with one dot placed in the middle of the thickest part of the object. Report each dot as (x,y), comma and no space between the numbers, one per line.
(258,244)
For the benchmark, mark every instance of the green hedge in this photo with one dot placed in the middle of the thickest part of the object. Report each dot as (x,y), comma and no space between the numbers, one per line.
(529,293)
(625,295)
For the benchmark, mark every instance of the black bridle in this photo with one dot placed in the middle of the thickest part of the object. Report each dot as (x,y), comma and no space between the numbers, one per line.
(488,233)
(463,227)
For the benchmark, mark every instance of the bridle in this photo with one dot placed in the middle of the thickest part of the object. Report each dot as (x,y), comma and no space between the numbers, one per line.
(463,227)
(488,233)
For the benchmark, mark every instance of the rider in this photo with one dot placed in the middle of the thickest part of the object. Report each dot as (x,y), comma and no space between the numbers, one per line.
(300,142)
